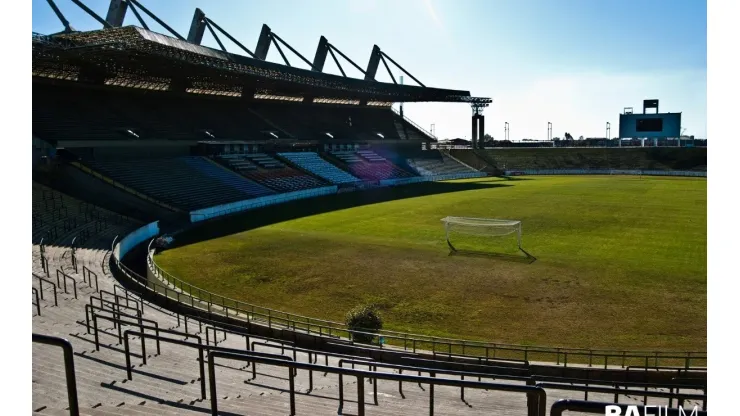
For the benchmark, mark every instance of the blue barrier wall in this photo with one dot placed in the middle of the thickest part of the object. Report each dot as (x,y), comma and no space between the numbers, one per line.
(263,201)
(137,237)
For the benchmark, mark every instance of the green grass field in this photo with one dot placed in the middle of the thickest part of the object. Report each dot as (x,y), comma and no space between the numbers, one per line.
(621,261)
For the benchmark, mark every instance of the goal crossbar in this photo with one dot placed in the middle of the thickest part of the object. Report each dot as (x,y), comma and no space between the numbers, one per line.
(482,226)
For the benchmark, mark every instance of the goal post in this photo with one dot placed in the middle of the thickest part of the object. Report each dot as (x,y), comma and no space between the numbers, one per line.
(485,227)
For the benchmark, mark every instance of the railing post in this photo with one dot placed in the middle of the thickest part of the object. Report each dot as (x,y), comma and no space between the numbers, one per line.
(360,396)
(431,396)
(532,401)
(212,382)
(291,382)
(201,366)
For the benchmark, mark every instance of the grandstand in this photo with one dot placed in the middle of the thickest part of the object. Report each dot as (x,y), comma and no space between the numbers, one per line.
(147,149)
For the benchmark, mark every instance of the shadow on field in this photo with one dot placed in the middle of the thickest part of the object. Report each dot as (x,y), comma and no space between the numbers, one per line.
(529,259)
(248,220)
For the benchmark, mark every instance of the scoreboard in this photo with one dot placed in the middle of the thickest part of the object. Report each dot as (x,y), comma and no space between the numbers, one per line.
(649,126)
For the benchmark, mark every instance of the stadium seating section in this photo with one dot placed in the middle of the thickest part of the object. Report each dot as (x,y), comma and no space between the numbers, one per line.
(58,219)
(189,182)
(270,172)
(312,162)
(368,165)
(596,158)
(442,165)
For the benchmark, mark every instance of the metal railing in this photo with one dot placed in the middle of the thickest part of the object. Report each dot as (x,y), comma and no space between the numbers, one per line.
(536,396)
(373,366)
(87,276)
(176,288)
(543,382)
(561,406)
(35,300)
(69,368)
(64,278)
(195,345)
(41,288)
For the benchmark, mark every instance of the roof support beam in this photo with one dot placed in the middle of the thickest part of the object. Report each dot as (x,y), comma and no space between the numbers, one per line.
(139,18)
(275,37)
(320,58)
(94,15)
(60,16)
(334,48)
(197,27)
(155,18)
(372,66)
(336,61)
(225,33)
(401,68)
(116,12)
(385,64)
(263,43)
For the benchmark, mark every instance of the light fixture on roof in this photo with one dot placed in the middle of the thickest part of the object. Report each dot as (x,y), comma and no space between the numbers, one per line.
(131,133)
(274,135)
(380,135)
(329,134)
(209,134)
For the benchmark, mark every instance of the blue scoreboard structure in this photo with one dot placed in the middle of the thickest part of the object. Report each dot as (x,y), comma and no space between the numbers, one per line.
(649,125)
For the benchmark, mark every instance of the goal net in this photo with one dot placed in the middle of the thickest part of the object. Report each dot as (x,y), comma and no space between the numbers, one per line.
(483,230)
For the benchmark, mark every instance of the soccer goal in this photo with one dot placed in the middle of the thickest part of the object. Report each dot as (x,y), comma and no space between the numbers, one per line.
(485,231)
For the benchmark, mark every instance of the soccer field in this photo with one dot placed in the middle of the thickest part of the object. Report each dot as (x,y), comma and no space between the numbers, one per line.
(621,263)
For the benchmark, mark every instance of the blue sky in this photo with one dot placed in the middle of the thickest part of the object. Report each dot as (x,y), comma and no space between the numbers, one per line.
(575,63)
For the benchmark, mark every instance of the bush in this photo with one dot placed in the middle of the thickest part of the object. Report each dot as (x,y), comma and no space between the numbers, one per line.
(365,318)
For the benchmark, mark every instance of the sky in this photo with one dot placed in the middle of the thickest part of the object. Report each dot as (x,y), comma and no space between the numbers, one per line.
(574,63)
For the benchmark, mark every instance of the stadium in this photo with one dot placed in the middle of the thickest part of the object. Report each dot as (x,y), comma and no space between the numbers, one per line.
(207,223)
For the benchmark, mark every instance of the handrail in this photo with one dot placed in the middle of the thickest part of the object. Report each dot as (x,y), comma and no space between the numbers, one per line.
(35,301)
(200,295)
(117,321)
(373,366)
(66,277)
(581,406)
(69,368)
(41,288)
(538,393)
(117,296)
(87,276)
(199,346)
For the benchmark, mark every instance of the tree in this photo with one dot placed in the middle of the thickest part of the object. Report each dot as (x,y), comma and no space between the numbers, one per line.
(487,138)
(580,137)
(364,318)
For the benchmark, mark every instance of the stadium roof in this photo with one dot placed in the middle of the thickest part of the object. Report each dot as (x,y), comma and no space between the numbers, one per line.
(134,56)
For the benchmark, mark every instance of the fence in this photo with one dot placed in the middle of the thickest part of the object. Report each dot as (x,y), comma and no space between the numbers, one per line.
(635,172)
